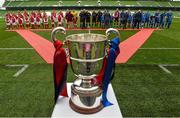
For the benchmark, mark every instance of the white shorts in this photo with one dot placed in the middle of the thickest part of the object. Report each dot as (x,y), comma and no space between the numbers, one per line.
(45,23)
(38,23)
(8,24)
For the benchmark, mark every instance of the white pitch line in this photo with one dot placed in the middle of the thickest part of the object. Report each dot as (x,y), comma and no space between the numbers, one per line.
(165,69)
(160,48)
(170,64)
(8,4)
(138,3)
(158,4)
(24,67)
(20,4)
(39,4)
(170,4)
(16,48)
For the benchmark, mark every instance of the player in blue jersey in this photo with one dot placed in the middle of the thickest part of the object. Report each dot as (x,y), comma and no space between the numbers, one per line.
(157,18)
(129,20)
(147,18)
(169,17)
(143,20)
(162,19)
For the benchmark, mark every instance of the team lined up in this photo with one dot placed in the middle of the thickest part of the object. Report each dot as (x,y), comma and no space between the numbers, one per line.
(122,19)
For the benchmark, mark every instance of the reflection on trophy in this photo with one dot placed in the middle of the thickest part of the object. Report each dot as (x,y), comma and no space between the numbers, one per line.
(87,52)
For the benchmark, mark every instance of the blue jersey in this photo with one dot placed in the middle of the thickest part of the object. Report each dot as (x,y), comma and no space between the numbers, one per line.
(157,17)
(147,16)
(169,17)
(129,18)
(143,18)
(162,17)
(102,18)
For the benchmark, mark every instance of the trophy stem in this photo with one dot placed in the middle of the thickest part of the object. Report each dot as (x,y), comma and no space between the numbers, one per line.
(86,83)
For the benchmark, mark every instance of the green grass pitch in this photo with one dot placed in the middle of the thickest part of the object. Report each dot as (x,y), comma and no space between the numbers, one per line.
(142,88)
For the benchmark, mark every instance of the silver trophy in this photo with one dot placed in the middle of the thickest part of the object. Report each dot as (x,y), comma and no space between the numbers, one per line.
(86,52)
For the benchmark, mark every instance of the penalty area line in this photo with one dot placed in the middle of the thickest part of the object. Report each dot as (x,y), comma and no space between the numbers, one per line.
(160,48)
(16,48)
(165,69)
(20,71)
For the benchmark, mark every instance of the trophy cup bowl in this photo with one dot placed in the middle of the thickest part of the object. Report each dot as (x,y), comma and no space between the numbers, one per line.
(86,52)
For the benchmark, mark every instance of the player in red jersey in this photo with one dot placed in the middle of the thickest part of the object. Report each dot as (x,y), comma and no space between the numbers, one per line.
(25,13)
(8,20)
(38,21)
(45,20)
(52,20)
(14,23)
(55,17)
(20,23)
(32,21)
(60,19)
(27,22)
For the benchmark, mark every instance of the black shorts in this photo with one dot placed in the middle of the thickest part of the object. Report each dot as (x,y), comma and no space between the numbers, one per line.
(116,19)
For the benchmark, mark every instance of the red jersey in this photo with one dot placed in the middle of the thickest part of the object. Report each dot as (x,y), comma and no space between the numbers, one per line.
(52,18)
(38,19)
(20,21)
(13,19)
(31,19)
(59,17)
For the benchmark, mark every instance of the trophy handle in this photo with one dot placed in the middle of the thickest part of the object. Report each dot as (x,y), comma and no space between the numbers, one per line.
(112,30)
(55,30)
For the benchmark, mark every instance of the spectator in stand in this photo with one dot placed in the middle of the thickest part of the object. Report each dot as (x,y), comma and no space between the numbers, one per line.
(94,19)
(69,19)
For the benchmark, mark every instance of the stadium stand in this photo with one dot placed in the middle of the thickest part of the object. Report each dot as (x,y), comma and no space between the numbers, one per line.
(90,4)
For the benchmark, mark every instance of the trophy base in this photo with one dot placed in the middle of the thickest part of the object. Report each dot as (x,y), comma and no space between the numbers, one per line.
(85,110)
